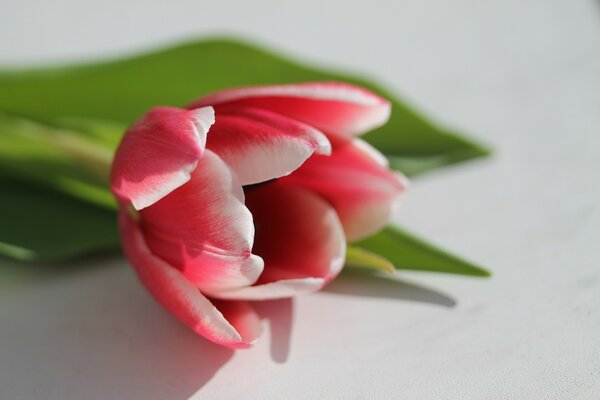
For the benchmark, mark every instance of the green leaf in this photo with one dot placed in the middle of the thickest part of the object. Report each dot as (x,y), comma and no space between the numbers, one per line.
(122,90)
(61,125)
(68,155)
(357,257)
(406,251)
(412,166)
(42,225)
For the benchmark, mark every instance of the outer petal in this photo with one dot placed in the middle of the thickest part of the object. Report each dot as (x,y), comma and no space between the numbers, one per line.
(260,145)
(300,238)
(174,292)
(337,109)
(204,229)
(158,153)
(355,179)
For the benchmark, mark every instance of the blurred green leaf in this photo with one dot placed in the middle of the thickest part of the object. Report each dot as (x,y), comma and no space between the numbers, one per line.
(123,90)
(70,155)
(406,251)
(42,225)
(61,125)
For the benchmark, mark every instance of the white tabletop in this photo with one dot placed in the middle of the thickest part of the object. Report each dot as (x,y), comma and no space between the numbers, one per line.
(520,76)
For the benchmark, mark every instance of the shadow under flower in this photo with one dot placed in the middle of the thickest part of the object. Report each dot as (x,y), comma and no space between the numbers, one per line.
(364,283)
(279,314)
(97,334)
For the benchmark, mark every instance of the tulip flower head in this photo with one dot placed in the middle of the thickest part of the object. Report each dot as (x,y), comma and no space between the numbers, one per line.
(250,194)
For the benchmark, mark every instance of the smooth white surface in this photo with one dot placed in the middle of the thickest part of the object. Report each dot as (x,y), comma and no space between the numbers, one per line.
(521,76)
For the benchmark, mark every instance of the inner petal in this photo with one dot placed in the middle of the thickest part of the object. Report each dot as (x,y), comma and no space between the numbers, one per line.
(204,229)
(260,145)
(297,233)
(356,181)
(338,109)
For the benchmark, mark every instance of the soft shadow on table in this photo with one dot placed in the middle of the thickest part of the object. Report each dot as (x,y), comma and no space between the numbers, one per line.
(279,314)
(97,334)
(359,283)
(15,274)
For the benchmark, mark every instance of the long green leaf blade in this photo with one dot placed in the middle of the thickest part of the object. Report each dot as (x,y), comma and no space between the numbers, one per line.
(122,90)
(42,225)
(406,251)
(70,156)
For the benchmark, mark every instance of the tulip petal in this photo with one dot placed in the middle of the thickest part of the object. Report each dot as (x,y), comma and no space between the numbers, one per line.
(204,229)
(243,317)
(300,238)
(356,181)
(260,145)
(274,290)
(178,295)
(158,153)
(338,109)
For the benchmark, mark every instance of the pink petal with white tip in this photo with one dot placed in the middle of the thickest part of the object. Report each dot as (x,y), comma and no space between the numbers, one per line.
(158,153)
(237,326)
(337,109)
(355,180)
(204,229)
(260,145)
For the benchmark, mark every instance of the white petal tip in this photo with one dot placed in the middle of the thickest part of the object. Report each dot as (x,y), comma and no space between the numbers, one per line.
(205,117)
(323,146)
(274,290)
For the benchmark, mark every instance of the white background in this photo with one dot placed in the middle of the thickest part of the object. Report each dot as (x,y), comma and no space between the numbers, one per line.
(520,76)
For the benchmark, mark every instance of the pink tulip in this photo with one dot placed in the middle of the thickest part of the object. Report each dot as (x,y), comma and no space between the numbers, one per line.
(250,194)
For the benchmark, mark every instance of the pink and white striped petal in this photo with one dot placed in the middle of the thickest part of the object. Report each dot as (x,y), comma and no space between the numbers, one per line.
(237,326)
(300,238)
(242,316)
(158,153)
(260,145)
(337,109)
(356,181)
(204,229)
(274,290)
